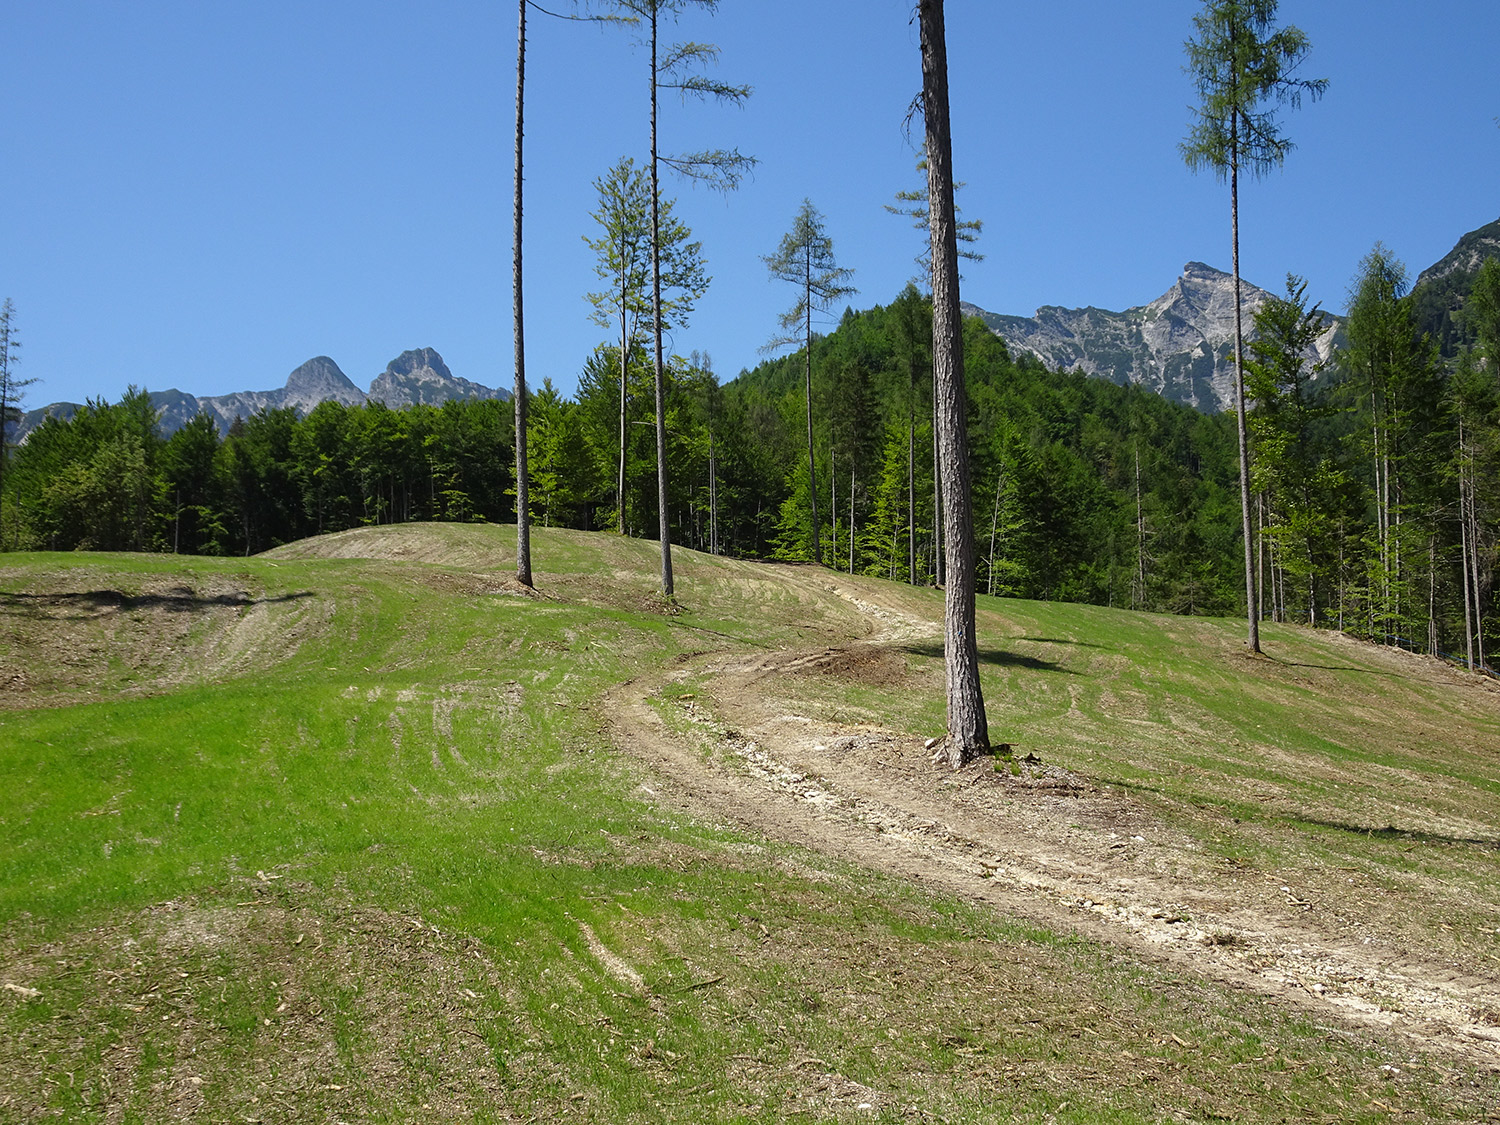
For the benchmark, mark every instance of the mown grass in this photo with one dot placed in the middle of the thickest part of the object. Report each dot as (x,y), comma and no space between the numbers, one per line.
(357,846)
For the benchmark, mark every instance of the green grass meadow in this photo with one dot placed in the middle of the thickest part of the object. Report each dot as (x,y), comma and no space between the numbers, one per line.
(321,837)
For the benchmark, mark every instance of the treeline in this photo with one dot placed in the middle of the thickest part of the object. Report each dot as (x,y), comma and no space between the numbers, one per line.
(1377,480)
(1083,490)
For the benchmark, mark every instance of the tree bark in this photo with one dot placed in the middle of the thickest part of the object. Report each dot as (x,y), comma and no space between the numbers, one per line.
(968,733)
(1251,593)
(624,384)
(663,520)
(812,474)
(523,513)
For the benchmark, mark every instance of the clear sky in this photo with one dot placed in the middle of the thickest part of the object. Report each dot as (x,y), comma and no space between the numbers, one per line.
(203,194)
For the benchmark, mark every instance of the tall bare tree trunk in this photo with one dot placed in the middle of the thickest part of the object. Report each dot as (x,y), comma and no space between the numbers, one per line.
(1251,593)
(937,493)
(851,515)
(624,385)
(968,731)
(812,468)
(523,477)
(994,524)
(664,522)
(911,472)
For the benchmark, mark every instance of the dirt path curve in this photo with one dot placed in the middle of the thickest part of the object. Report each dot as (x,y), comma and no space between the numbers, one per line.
(1040,844)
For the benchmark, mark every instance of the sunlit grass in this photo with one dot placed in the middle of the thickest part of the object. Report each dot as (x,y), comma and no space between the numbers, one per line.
(364,846)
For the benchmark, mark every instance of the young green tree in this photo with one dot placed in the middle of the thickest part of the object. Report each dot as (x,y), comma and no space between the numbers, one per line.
(805,259)
(1395,371)
(968,731)
(623,260)
(678,68)
(1293,473)
(1239,62)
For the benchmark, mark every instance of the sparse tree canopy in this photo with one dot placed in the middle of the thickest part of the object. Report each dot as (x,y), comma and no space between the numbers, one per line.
(805,258)
(1240,62)
(913,205)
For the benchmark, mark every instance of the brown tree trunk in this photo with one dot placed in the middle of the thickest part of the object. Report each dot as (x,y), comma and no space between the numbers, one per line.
(968,732)
(1251,594)
(523,482)
(664,520)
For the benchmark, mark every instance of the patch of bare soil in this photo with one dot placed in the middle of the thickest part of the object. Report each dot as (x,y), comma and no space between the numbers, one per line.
(1032,840)
(69,644)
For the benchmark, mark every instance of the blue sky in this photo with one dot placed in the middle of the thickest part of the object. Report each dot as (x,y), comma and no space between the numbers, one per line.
(205,194)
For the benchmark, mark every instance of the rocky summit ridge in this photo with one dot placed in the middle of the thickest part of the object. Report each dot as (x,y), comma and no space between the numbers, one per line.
(1180,345)
(415,376)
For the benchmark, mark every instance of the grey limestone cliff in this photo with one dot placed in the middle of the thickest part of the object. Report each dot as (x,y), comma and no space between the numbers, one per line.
(421,376)
(1181,345)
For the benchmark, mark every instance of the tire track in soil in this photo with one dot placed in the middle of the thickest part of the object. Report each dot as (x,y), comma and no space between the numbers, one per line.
(1044,846)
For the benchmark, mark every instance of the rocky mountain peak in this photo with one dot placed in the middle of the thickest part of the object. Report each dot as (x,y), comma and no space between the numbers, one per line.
(421,376)
(317,380)
(417,361)
(1180,345)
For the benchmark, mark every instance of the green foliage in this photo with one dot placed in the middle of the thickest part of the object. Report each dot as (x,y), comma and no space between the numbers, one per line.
(1238,62)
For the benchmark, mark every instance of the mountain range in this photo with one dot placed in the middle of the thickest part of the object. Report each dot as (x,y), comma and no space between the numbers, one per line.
(416,376)
(1180,345)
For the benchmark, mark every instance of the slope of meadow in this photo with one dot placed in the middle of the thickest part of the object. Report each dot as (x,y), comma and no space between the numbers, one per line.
(360,830)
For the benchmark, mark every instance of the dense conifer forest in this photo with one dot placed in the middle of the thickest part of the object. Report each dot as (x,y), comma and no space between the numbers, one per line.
(1375,479)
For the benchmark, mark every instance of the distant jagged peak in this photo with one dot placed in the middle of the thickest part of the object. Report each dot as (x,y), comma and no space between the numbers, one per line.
(419,376)
(417,360)
(321,378)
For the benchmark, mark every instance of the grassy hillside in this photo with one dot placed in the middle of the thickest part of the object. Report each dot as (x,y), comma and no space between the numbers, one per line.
(354,831)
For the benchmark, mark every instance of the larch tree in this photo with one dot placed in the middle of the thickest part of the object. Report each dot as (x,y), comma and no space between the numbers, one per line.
(523,481)
(968,731)
(805,258)
(679,68)
(1239,62)
(623,260)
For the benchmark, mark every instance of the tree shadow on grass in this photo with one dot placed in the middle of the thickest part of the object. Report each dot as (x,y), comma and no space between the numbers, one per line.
(1240,810)
(1396,835)
(999,658)
(93,603)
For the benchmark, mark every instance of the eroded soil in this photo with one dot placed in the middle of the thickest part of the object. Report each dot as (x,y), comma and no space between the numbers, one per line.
(1033,840)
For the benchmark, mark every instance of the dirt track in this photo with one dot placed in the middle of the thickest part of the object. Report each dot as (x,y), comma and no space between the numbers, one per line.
(1038,843)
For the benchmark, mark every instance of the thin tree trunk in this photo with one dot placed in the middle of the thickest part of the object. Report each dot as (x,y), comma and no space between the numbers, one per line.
(833,508)
(1432,635)
(523,513)
(968,732)
(911,471)
(1251,598)
(624,387)
(664,519)
(812,468)
(1140,535)
(937,494)
(994,524)
(851,515)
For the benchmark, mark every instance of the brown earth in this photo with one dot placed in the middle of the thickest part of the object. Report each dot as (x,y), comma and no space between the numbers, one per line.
(1031,839)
